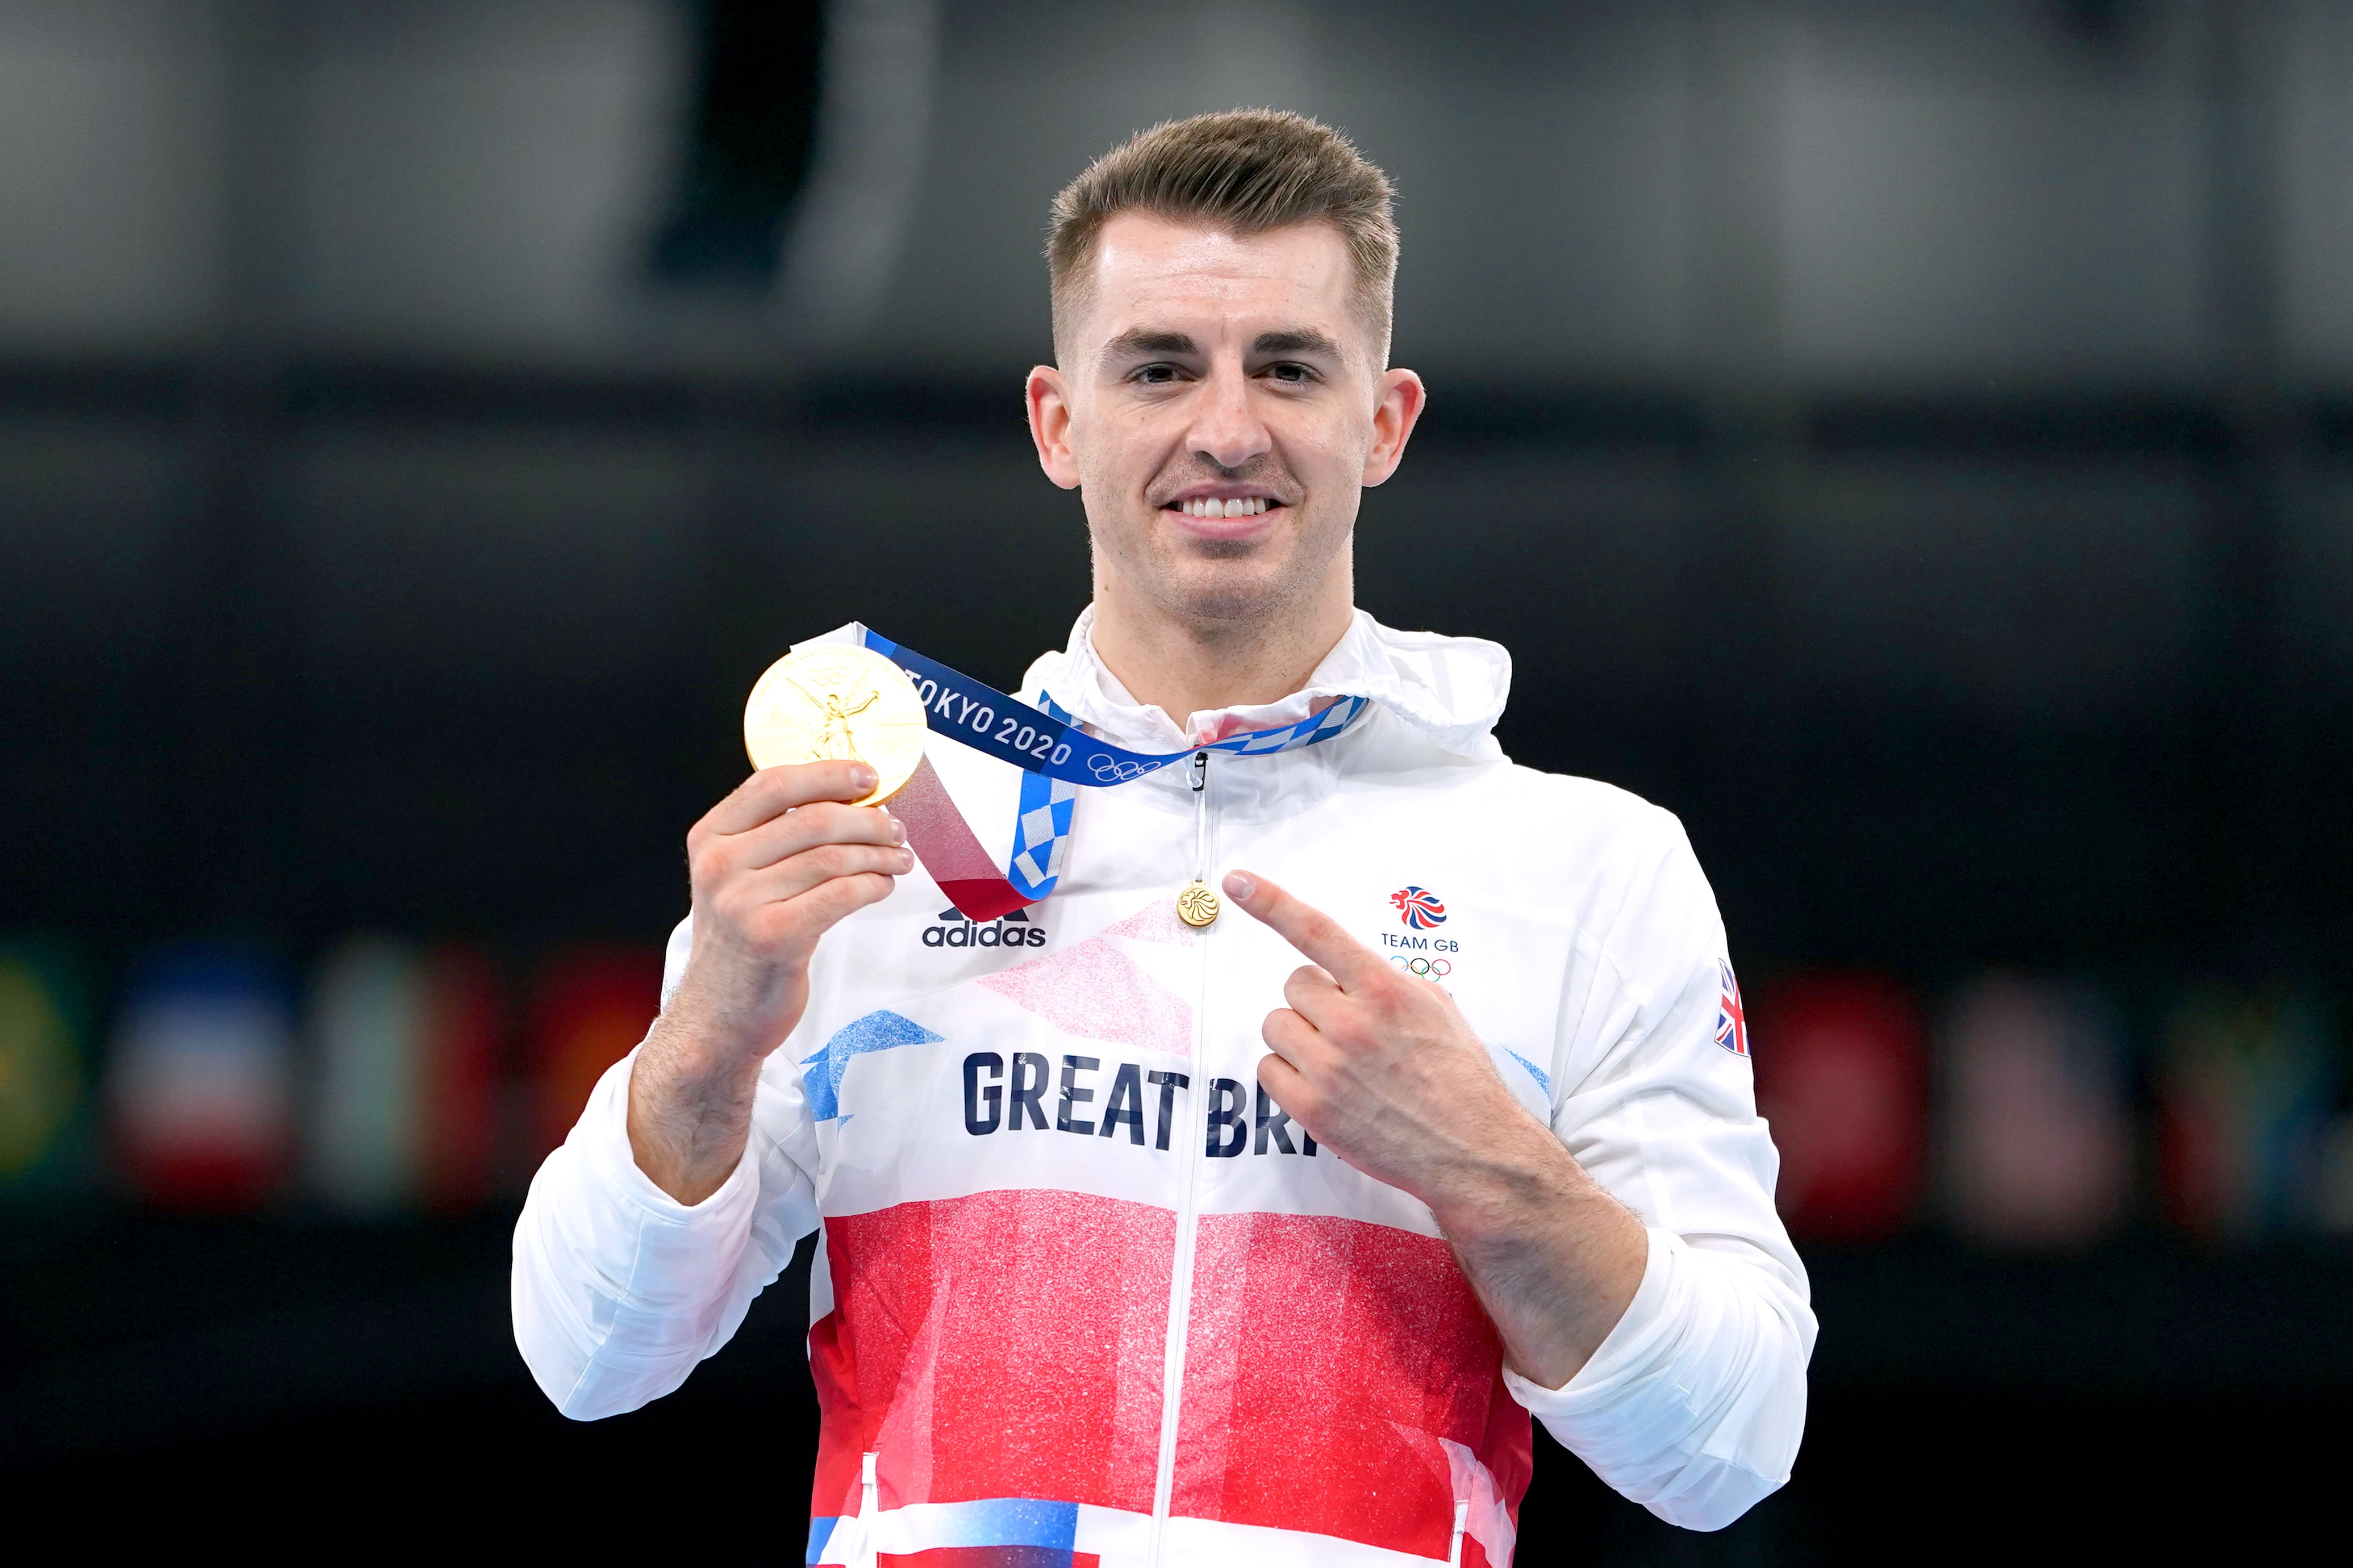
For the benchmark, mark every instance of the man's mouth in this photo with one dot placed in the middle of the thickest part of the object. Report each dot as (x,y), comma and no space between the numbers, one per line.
(1211,504)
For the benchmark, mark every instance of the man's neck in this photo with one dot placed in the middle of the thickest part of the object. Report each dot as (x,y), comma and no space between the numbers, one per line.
(1183,667)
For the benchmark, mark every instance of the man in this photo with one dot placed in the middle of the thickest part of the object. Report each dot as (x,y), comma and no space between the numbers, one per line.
(1142,1243)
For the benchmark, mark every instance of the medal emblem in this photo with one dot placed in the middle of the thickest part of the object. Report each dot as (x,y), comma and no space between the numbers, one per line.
(837,702)
(1197,906)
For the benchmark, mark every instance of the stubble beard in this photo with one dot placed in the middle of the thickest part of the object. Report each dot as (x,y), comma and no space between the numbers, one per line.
(1211,586)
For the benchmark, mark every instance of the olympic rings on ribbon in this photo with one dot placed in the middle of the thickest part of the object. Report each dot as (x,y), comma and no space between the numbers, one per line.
(1112,770)
(1428,968)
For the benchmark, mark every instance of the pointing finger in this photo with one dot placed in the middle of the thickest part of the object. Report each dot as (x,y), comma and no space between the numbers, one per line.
(1310,930)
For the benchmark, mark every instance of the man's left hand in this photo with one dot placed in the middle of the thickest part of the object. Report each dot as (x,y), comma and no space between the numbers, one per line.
(1380,1066)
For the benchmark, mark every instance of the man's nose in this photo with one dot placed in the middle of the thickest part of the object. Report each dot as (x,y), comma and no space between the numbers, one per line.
(1227,429)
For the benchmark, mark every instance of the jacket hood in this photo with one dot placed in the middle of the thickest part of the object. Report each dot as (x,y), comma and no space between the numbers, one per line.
(1449,690)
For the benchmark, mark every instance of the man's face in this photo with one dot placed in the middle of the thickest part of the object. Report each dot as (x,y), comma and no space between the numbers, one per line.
(1219,409)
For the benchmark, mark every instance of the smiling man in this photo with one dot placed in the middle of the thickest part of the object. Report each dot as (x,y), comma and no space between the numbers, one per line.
(1151,1235)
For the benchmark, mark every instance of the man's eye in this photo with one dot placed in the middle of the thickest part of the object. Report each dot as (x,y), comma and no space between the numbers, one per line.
(1157,374)
(1294,373)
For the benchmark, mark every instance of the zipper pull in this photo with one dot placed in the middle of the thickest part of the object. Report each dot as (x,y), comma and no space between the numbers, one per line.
(1197,906)
(1454,1548)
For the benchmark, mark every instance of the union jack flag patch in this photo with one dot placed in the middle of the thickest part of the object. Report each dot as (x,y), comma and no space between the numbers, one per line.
(1731,1018)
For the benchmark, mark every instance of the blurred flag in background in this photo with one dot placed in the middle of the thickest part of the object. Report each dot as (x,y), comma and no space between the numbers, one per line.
(403,1047)
(2038,1143)
(45,1143)
(199,1086)
(1841,1073)
(2333,1207)
(465,1027)
(592,1005)
(2243,1096)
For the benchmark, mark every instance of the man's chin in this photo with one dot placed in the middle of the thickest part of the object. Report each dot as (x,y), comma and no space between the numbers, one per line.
(1228,583)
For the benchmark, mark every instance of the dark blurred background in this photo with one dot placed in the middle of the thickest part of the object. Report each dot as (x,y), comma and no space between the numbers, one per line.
(1914,443)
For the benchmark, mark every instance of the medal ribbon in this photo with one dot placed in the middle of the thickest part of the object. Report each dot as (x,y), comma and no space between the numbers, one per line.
(1056,758)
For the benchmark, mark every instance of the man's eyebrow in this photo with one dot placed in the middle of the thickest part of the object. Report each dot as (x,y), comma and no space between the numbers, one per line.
(1147,340)
(1296,341)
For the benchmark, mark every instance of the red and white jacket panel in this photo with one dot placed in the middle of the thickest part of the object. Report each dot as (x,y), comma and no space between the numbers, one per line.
(1083,1289)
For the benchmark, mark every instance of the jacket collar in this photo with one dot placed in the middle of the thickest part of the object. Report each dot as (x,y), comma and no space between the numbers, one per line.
(1450,690)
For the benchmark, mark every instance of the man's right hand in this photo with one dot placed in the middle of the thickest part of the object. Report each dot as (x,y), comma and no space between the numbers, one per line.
(774,867)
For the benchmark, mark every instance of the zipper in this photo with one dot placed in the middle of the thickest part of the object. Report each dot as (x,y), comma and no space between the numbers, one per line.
(1189,1156)
(1201,817)
(862,1554)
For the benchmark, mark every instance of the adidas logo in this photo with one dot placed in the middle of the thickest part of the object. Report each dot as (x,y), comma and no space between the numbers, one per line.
(1015,929)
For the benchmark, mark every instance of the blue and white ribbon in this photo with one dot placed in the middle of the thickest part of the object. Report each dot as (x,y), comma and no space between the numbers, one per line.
(1041,828)
(1057,757)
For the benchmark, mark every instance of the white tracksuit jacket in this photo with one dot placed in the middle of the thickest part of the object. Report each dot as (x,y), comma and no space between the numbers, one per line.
(1084,1296)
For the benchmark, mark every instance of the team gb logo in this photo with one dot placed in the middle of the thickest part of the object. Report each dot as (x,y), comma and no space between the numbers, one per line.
(1419,908)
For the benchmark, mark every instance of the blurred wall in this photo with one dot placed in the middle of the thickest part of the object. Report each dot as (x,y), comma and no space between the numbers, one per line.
(1933,195)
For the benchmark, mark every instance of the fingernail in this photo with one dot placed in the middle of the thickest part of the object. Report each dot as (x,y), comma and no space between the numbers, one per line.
(906,859)
(862,776)
(1238,884)
(897,831)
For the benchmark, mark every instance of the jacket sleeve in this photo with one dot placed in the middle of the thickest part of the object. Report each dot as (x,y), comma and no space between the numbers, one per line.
(620,1290)
(1695,1404)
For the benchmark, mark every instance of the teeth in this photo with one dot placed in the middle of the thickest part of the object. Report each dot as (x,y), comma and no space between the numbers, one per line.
(1215,508)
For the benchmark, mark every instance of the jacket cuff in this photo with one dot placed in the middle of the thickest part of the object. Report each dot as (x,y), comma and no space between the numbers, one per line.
(601,1138)
(1632,1352)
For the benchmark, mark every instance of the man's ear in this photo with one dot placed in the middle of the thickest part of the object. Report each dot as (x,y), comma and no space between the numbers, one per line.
(1050,425)
(1394,414)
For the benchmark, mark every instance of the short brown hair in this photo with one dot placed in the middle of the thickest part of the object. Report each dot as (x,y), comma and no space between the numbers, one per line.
(1243,171)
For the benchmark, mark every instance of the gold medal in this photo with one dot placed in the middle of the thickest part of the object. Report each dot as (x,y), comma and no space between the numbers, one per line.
(1197,906)
(837,701)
